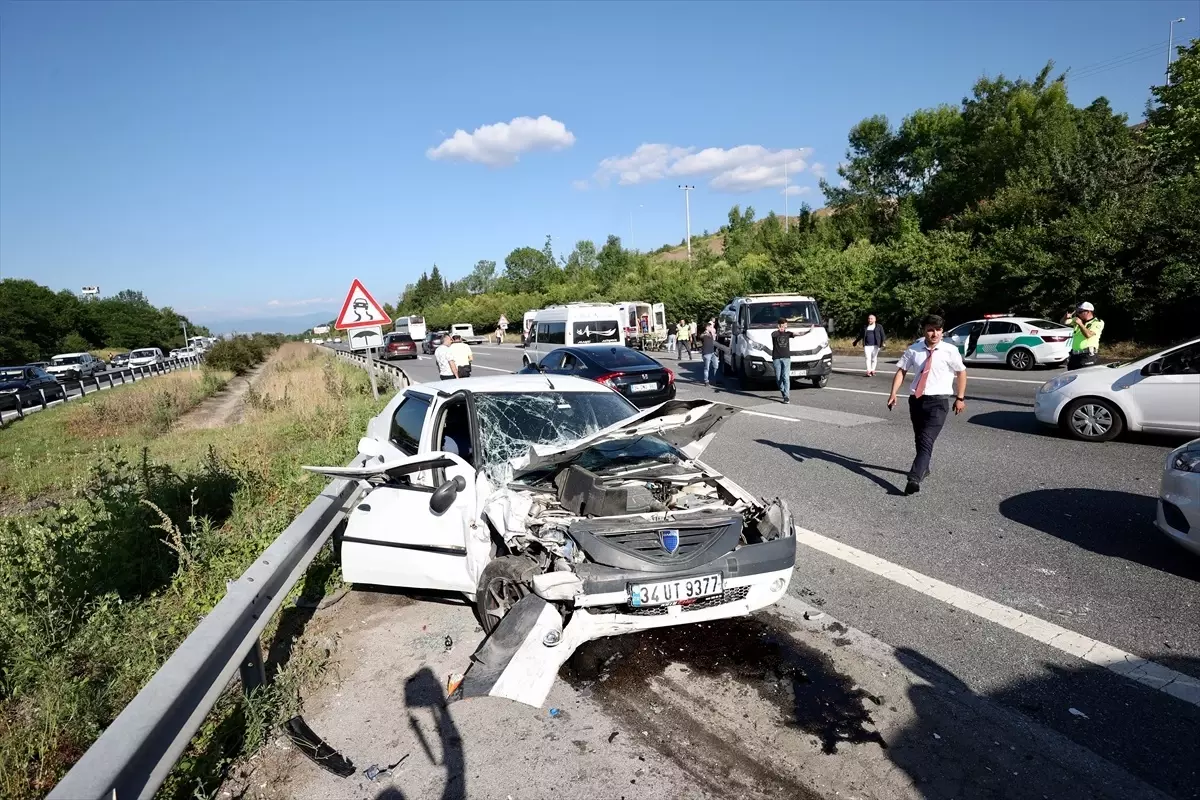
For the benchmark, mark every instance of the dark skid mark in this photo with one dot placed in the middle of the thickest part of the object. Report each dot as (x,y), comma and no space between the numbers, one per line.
(800,681)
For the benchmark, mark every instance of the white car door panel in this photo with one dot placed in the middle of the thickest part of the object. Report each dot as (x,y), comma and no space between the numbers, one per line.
(1168,400)
(394,538)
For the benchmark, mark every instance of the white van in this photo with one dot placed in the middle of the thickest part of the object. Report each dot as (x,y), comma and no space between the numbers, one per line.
(744,330)
(145,356)
(573,325)
(632,311)
(526,326)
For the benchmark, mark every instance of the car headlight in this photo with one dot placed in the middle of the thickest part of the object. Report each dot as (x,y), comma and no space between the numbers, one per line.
(1187,461)
(1051,386)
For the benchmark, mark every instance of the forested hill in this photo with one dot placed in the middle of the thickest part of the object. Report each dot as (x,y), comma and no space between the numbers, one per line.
(1013,200)
(36,323)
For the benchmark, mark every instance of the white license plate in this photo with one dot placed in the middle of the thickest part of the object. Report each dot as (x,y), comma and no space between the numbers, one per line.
(638,388)
(669,592)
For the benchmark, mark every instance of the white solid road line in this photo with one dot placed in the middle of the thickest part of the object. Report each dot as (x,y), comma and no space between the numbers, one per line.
(971,376)
(1144,671)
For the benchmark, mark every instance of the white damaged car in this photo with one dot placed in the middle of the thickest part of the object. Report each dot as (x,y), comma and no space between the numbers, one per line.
(564,513)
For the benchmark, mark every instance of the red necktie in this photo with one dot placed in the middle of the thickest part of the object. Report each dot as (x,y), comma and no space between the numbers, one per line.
(923,377)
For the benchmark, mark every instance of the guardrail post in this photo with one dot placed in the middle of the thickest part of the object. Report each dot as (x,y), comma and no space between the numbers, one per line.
(253,673)
(82,390)
(42,392)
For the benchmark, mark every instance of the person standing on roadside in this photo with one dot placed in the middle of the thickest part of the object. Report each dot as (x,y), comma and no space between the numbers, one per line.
(781,358)
(708,353)
(463,356)
(672,329)
(873,339)
(444,358)
(941,377)
(683,342)
(1085,337)
(692,333)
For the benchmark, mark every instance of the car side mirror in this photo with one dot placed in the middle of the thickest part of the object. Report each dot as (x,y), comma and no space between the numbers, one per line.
(445,495)
(1153,368)
(372,448)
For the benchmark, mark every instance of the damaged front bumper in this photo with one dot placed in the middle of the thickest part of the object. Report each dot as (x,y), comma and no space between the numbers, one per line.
(521,658)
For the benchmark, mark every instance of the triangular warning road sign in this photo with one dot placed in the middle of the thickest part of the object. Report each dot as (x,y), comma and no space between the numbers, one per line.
(360,310)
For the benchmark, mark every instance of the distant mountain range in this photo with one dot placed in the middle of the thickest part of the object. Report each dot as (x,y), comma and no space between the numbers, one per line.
(296,323)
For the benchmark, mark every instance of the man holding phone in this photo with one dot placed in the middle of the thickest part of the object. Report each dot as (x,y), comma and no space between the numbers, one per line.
(1085,336)
(941,378)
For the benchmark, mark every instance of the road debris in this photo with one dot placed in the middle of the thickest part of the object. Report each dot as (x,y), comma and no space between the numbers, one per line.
(449,643)
(1078,713)
(316,749)
(374,771)
(612,736)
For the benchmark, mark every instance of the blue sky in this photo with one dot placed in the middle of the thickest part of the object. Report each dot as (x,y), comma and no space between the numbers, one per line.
(250,159)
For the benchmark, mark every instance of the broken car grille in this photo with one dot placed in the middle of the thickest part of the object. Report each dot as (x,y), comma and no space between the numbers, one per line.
(648,544)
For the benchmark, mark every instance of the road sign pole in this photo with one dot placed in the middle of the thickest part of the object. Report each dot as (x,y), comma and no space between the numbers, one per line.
(371,372)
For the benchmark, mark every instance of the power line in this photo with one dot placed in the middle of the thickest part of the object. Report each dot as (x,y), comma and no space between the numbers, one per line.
(1116,65)
(1157,47)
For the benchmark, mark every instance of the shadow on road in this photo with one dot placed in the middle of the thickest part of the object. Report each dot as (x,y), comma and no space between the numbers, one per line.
(1015,421)
(424,691)
(855,465)
(966,745)
(1108,523)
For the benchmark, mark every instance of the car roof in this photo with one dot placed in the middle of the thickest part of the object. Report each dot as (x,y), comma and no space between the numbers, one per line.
(511,384)
(590,350)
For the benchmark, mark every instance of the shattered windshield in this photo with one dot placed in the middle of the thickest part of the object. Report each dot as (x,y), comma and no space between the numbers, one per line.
(509,423)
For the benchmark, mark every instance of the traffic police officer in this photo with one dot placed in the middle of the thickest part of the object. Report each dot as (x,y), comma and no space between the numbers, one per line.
(1085,338)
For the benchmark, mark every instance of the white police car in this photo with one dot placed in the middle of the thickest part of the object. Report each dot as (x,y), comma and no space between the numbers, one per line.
(1020,342)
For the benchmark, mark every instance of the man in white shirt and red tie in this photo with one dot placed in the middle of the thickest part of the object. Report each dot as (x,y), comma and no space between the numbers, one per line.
(941,379)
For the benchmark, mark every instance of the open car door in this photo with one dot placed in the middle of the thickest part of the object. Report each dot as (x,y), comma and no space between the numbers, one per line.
(410,530)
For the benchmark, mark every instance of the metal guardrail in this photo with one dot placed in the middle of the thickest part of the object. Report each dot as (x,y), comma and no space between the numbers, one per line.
(400,379)
(136,752)
(29,401)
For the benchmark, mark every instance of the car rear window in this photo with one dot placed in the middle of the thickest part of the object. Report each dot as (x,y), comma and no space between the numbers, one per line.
(399,337)
(142,354)
(617,357)
(1045,324)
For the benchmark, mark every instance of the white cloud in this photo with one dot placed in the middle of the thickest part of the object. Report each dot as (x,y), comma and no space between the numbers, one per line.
(501,144)
(294,303)
(745,168)
(794,190)
(580,185)
(650,162)
(819,170)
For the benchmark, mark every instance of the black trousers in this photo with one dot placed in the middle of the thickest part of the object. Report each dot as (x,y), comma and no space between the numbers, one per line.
(928,415)
(1081,359)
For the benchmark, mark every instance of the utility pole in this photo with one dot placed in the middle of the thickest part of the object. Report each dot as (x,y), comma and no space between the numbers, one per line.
(1171,46)
(785,200)
(687,210)
(185,341)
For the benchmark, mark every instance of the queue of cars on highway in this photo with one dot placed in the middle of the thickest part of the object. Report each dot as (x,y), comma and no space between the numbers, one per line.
(22,386)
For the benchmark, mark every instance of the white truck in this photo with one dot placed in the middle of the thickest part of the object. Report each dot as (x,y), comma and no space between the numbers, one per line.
(414,326)
(744,329)
(466,331)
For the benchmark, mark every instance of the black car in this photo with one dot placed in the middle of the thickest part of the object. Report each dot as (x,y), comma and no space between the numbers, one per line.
(431,341)
(642,380)
(19,387)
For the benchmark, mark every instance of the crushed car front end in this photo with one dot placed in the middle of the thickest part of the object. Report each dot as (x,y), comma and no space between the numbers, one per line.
(628,532)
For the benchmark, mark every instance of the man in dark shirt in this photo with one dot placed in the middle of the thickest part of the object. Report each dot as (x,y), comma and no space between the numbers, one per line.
(708,352)
(781,357)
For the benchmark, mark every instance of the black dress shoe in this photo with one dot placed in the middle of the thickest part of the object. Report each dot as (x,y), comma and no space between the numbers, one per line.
(912,488)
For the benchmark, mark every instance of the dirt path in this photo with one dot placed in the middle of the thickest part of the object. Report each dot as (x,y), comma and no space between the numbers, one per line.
(223,408)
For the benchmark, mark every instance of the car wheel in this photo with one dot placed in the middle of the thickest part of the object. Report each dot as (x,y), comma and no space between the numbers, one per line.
(1091,419)
(504,582)
(1021,359)
(821,381)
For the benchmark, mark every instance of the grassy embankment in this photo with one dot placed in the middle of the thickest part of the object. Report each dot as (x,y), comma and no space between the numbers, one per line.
(118,533)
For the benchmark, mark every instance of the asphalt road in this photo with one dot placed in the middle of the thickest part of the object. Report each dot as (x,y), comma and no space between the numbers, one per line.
(1015,518)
